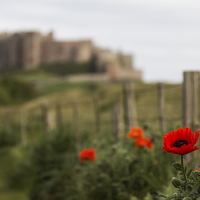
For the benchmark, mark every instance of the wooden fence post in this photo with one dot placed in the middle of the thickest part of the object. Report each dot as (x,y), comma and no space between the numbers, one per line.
(190,100)
(76,124)
(190,104)
(161,108)
(23,127)
(128,107)
(32,122)
(115,120)
(96,113)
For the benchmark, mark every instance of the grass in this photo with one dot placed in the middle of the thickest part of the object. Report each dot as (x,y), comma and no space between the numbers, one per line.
(17,170)
(49,71)
(145,100)
(9,158)
(146,111)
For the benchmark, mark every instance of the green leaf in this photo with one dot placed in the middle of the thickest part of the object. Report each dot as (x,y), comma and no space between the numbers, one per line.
(161,196)
(176,196)
(177,166)
(189,173)
(176,182)
(196,185)
(197,172)
(187,198)
(185,169)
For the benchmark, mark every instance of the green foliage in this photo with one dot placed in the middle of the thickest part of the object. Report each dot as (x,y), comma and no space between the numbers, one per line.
(107,105)
(68,68)
(14,91)
(187,184)
(53,175)
(124,172)
(22,170)
(5,97)
(50,169)
(15,173)
(7,138)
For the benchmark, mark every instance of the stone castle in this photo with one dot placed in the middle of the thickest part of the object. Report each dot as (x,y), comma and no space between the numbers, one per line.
(28,50)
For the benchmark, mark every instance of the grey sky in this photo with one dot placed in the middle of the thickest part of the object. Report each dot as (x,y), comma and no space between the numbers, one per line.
(163,35)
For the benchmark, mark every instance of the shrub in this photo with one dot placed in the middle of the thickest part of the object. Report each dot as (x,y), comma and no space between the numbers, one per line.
(68,68)
(54,161)
(15,91)
(7,138)
(126,171)
(5,97)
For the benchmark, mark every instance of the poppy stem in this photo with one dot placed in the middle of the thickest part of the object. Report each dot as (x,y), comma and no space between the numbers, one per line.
(183,168)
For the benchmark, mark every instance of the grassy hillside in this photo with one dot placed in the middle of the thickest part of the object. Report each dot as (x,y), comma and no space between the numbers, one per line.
(52,70)
(52,153)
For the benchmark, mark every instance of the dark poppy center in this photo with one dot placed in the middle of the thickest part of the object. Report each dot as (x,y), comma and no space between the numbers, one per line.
(180,143)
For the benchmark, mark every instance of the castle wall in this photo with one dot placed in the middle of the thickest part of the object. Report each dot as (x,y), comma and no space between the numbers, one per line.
(126,61)
(81,51)
(4,55)
(11,51)
(104,58)
(4,35)
(52,51)
(15,51)
(31,50)
(132,75)
(48,37)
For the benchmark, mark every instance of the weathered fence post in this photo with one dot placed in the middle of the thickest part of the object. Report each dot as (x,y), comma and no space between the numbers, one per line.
(115,120)
(161,107)
(96,113)
(128,107)
(32,122)
(23,127)
(190,104)
(44,110)
(76,124)
(190,100)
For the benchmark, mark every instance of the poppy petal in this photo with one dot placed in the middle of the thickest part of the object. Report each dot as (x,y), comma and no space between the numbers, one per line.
(181,141)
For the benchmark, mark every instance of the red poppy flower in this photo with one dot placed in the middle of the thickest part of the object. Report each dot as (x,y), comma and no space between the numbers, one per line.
(87,154)
(181,141)
(135,132)
(144,142)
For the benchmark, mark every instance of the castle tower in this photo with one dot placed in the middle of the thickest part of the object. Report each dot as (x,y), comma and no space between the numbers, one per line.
(15,50)
(31,50)
(126,61)
(82,51)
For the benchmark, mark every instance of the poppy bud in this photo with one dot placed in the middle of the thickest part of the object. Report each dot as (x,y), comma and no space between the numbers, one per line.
(177,166)
(176,182)
(187,198)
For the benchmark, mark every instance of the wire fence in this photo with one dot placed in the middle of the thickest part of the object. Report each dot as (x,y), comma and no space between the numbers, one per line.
(99,113)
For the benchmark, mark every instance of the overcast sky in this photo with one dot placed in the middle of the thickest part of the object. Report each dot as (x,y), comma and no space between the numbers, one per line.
(162,35)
